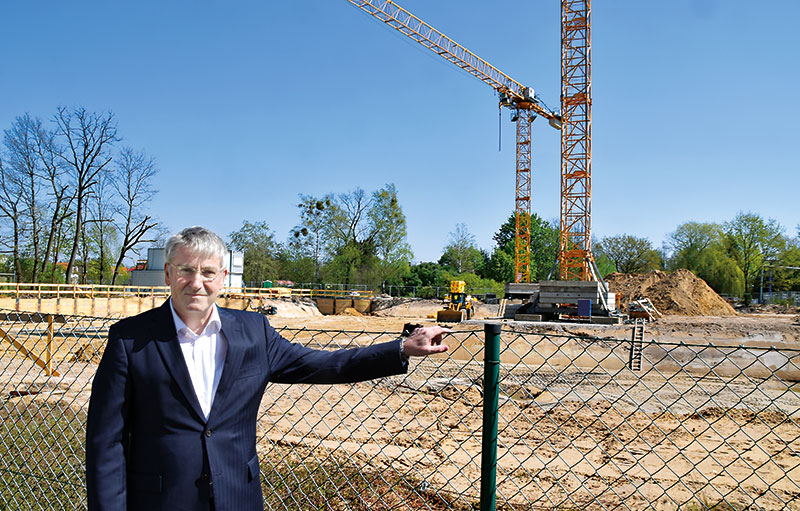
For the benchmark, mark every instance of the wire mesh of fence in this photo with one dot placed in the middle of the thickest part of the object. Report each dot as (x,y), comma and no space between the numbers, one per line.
(691,426)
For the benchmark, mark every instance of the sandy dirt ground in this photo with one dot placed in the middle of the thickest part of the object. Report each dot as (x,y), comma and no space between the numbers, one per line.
(780,330)
(667,435)
(676,433)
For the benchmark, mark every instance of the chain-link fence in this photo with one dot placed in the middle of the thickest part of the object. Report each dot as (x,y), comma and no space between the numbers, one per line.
(582,423)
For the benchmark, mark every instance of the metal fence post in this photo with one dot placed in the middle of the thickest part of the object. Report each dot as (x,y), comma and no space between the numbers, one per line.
(491,374)
(48,357)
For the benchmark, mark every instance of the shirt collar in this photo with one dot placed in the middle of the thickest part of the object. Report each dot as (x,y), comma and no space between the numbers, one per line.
(185,333)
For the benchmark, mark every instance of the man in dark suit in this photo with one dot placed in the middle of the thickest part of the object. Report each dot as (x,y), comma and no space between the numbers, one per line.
(173,410)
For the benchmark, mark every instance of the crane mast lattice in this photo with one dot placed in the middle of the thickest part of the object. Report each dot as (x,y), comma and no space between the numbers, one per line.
(574,255)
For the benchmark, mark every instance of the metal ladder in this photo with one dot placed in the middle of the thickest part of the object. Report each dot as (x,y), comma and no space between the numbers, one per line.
(637,342)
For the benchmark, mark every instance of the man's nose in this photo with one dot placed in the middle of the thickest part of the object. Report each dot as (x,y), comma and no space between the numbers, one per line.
(197,279)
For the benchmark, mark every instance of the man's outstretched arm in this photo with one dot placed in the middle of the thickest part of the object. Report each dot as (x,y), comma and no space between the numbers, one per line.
(424,341)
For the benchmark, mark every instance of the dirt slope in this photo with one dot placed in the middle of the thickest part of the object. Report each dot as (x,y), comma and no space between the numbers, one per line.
(680,292)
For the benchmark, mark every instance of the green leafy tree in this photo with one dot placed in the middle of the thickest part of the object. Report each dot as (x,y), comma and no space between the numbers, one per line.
(700,247)
(474,283)
(295,263)
(424,274)
(689,242)
(785,272)
(261,253)
(752,242)
(500,265)
(461,254)
(720,271)
(543,249)
(604,264)
(366,238)
(629,253)
(350,239)
(389,223)
(352,265)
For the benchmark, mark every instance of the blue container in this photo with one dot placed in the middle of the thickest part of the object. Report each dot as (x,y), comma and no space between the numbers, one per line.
(585,307)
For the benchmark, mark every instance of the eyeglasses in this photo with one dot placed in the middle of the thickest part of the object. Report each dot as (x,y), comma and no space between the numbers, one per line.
(188,272)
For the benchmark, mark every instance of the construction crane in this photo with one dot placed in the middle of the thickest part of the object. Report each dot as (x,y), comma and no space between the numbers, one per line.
(522,100)
(575,259)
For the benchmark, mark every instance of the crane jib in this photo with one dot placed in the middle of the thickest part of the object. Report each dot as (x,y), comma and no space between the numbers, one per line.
(413,27)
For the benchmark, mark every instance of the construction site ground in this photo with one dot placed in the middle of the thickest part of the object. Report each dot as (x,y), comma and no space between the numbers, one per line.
(753,329)
(646,436)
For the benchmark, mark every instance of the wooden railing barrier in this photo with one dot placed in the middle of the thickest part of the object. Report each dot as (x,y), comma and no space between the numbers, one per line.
(122,301)
(45,363)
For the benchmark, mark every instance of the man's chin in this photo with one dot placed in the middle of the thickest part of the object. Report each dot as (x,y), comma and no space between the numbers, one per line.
(196,305)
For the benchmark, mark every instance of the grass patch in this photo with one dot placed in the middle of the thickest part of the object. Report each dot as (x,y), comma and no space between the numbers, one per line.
(292,481)
(707,506)
(41,456)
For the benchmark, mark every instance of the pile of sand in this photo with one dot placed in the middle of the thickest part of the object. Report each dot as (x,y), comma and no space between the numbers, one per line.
(404,307)
(288,308)
(680,292)
(350,311)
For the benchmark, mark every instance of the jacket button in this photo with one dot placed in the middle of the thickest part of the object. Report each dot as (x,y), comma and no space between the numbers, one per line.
(208,432)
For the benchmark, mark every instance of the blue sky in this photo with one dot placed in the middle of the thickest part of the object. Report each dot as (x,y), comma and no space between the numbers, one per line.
(246,104)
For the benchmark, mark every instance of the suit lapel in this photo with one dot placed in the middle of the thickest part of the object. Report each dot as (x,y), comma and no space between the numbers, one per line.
(232,330)
(171,353)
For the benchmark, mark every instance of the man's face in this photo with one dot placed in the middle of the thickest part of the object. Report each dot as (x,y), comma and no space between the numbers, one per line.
(194,290)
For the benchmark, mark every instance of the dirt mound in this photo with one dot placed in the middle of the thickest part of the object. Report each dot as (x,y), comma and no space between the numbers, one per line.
(680,292)
(287,308)
(404,307)
(350,311)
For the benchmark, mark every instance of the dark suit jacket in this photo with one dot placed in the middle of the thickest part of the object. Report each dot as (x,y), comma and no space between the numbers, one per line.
(148,446)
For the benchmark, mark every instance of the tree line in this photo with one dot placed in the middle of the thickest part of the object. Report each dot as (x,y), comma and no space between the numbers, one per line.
(732,257)
(349,238)
(356,238)
(73,199)
(74,207)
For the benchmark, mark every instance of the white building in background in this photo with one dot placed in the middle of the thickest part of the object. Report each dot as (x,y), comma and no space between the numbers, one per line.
(153,274)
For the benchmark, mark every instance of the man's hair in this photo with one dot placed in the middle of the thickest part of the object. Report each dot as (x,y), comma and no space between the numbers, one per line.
(200,241)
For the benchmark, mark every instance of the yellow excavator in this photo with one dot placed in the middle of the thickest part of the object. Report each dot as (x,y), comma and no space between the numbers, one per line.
(458,305)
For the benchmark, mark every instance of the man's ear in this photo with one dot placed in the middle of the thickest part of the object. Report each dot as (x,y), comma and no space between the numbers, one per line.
(166,273)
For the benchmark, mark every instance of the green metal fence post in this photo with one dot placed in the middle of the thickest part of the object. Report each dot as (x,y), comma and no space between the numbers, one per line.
(491,376)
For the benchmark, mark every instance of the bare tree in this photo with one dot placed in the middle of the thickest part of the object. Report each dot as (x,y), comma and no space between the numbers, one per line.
(22,159)
(99,222)
(59,196)
(348,222)
(59,241)
(461,253)
(312,226)
(132,183)
(87,138)
(9,207)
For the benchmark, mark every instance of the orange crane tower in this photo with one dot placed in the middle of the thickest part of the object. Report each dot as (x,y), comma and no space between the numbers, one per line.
(514,95)
(575,254)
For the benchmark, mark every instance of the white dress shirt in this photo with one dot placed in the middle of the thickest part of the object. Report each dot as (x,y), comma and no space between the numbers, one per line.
(204,355)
